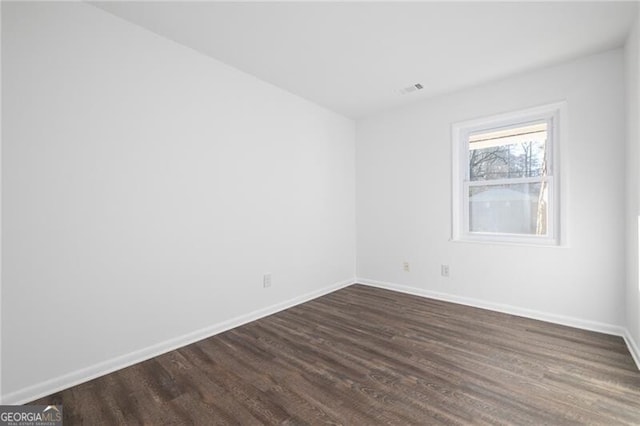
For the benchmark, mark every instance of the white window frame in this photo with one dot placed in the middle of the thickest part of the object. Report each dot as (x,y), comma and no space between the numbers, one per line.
(553,115)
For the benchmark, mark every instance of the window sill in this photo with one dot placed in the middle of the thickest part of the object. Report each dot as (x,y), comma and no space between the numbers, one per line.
(517,243)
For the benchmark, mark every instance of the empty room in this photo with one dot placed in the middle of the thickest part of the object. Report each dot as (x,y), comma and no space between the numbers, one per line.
(305,213)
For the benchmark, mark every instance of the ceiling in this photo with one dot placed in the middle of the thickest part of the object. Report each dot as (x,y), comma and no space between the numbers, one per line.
(355,57)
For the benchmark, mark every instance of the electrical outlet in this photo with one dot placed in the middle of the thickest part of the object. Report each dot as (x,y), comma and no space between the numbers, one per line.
(444,270)
(266,280)
(405,266)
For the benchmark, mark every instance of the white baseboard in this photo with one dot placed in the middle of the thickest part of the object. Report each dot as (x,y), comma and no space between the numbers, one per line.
(632,345)
(65,381)
(83,375)
(615,330)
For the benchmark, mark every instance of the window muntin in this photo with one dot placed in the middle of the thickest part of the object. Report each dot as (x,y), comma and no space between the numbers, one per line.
(505,183)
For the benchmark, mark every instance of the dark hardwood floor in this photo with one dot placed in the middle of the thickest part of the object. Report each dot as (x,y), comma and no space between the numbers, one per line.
(365,356)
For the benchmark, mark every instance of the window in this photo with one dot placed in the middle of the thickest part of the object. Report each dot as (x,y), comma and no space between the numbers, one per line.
(506,182)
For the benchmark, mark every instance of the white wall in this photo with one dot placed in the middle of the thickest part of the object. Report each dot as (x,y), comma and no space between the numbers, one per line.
(146,189)
(632,90)
(403,180)
(1,393)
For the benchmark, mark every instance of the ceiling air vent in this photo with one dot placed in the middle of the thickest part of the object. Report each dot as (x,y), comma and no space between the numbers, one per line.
(411,88)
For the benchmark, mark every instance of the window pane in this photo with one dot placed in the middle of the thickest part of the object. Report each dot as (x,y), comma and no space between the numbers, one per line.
(510,153)
(509,209)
